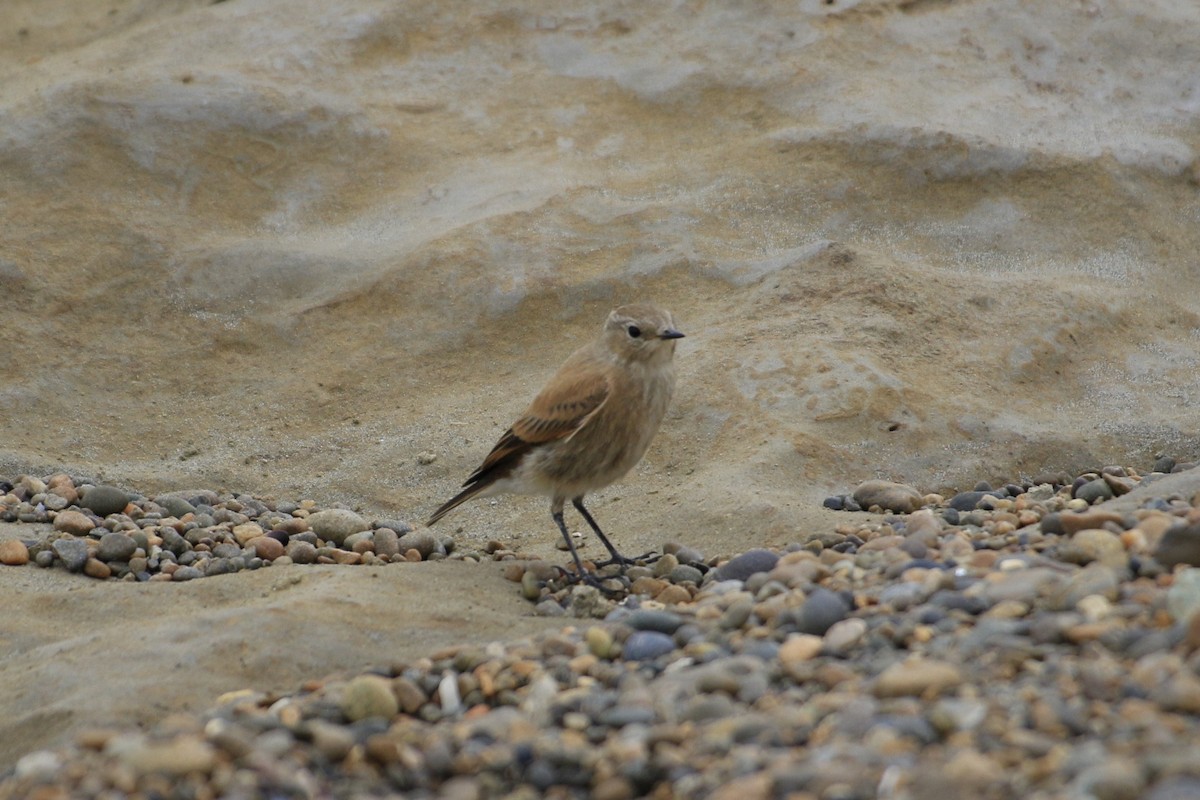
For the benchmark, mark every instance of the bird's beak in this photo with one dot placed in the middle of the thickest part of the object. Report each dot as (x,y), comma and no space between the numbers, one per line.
(670,333)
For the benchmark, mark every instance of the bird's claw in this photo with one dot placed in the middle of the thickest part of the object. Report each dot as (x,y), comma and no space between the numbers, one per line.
(624,561)
(591,579)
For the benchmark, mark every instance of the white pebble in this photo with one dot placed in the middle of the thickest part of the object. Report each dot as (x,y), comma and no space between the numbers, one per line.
(40,765)
(448,693)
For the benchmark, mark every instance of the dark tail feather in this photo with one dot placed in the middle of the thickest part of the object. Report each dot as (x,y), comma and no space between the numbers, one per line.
(456,501)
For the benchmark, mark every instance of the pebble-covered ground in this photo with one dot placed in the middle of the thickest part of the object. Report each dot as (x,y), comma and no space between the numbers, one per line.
(1014,641)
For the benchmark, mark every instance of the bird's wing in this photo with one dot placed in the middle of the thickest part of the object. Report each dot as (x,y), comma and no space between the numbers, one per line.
(556,413)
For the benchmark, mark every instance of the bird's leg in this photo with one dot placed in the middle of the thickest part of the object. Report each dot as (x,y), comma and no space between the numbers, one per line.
(582,575)
(617,558)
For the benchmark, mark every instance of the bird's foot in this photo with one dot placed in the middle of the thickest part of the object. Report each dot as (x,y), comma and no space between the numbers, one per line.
(625,561)
(589,578)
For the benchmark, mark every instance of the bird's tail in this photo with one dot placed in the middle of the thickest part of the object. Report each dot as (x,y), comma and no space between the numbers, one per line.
(456,501)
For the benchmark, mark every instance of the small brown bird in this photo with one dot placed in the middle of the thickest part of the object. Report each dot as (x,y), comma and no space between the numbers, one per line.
(589,425)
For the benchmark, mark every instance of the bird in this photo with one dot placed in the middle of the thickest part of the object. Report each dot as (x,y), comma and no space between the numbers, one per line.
(588,426)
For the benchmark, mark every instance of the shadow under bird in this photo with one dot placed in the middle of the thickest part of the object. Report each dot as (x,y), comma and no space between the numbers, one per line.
(590,424)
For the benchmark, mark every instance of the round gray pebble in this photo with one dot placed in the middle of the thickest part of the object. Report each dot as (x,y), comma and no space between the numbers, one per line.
(649,620)
(105,500)
(821,610)
(116,546)
(748,563)
(73,552)
(647,645)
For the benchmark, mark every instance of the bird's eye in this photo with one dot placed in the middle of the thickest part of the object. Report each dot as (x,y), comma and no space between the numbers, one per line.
(635,331)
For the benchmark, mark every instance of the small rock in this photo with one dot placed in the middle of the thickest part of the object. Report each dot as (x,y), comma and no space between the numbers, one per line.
(599,641)
(1180,544)
(175,506)
(748,563)
(647,645)
(301,552)
(1095,544)
(888,495)
(105,500)
(969,501)
(844,636)
(333,741)
(369,696)
(95,568)
(1096,491)
(180,756)
(247,532)
(268,549)
(1095,578)
(797,649)
(359,542)
(408,695)
(72,551)
(1183,598)
(1076,521)
(673,595)
(685,573)
(116,546)
(62,486)
(186,574)
(821,611)
(422,541)
(171,540)
(1119,484)
(335,524)
(13,552)
(645,619)
(1178,787)
(75,523)
(387,542)
(916,677)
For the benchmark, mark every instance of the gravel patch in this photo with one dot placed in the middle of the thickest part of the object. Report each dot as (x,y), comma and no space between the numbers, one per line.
(1013,642)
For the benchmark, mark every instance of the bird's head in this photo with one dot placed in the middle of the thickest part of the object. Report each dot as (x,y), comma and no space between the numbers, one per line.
(641,332)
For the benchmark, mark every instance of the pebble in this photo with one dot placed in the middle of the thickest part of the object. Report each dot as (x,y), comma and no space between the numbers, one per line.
(1183,598)
(175,506)
(13,553)
(798,649)
(645,619)
(969,501)
(1180,544)
(386,542)
(1095,544)
(918,677)
(820,612)
(423,541)
(301,552)
(75,523)
(888,496)
(843,637)
(116,546)
(72,552)
(105,500)
(748,563)
(647,645)
(369,696)
(1094,579)
(267,549)
(247,532)
(180,756)
(186,574)
(335,524)
(1095,491)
